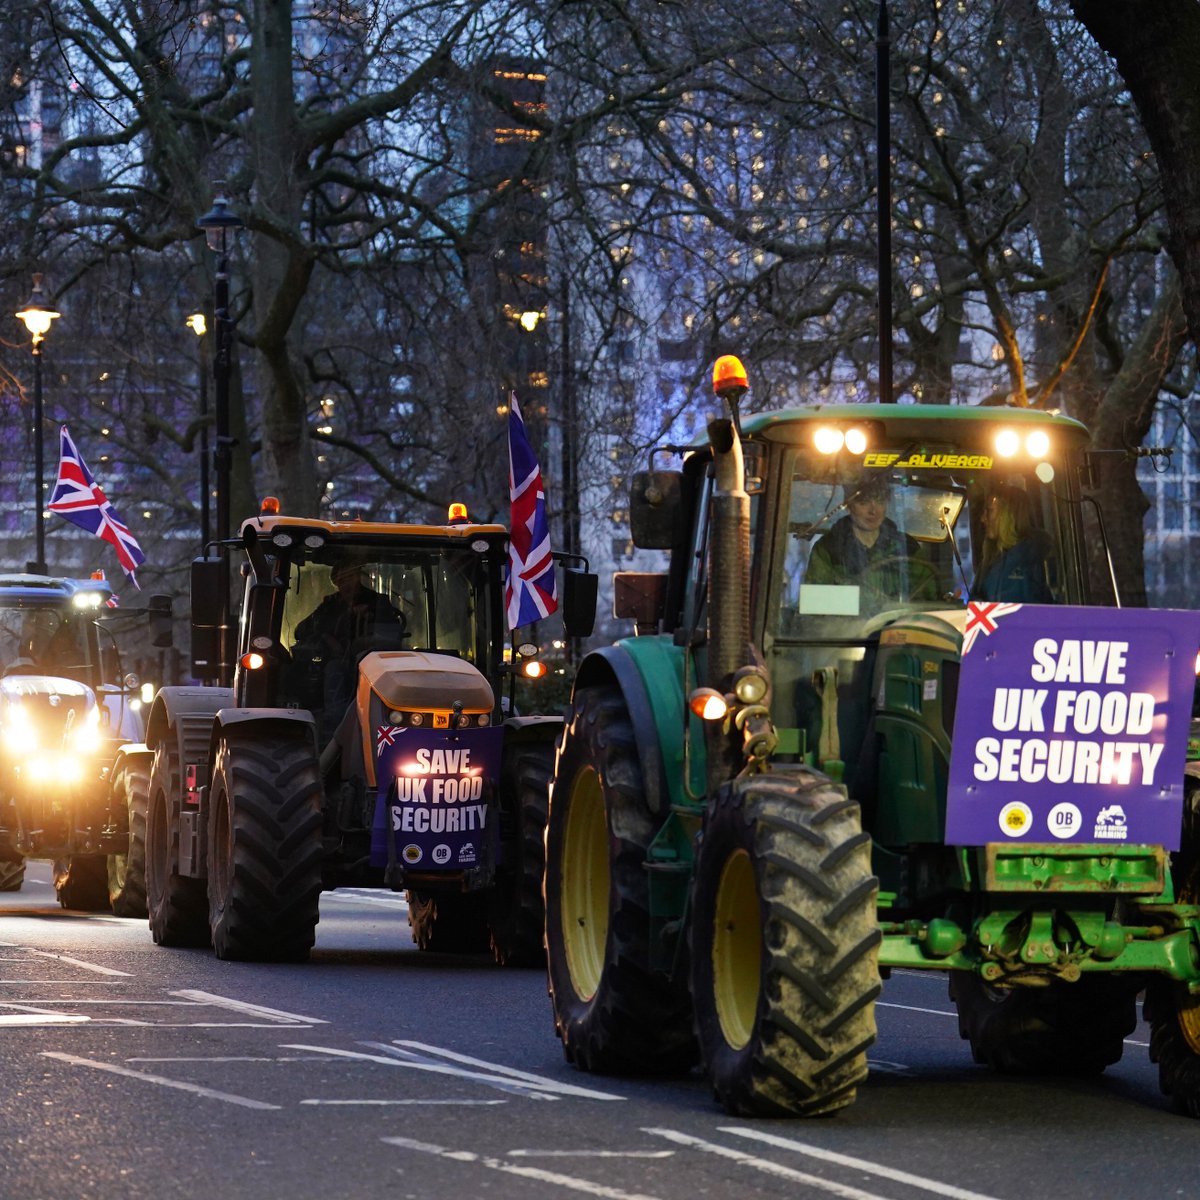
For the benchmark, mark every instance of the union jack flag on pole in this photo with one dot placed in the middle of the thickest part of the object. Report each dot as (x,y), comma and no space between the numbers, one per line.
(79,499)
(531,592)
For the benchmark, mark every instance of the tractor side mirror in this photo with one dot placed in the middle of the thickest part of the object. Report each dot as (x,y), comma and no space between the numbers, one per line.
(162,633)
(580,589)
(656,509)
(210,602)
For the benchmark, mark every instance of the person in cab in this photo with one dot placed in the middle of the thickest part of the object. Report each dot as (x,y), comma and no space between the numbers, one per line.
(866,548)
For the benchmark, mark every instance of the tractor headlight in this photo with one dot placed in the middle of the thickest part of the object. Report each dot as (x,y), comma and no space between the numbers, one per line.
(86,739)
(20,732)
(750,685)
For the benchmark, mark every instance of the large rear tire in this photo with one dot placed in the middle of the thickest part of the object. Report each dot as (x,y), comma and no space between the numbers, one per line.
(611,1011)
(264,848)
(1059,1029)
(1173,1012)
(81,882)
(516,912)
(447,922)
(177,904)
(784,945)
(12,874)
(127,872)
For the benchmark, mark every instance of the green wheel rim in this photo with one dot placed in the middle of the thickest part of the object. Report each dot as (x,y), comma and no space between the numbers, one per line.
(737,950)
(585,884)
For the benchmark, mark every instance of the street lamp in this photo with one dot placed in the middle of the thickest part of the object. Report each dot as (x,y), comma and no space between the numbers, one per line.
(218,223)
(37,316)
(199,326)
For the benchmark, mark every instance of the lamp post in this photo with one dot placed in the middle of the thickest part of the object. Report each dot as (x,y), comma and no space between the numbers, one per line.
(199,326)
(37,316)
(218,223)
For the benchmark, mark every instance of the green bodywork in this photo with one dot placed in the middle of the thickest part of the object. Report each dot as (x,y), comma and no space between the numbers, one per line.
(1020,913)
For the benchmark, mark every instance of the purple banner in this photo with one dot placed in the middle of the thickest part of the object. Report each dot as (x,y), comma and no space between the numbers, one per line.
(437,796)
(1071,725)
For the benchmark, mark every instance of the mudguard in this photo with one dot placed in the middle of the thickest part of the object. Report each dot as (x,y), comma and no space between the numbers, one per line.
(649,673)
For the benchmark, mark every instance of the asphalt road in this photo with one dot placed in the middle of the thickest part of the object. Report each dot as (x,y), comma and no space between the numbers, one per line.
(134,1072)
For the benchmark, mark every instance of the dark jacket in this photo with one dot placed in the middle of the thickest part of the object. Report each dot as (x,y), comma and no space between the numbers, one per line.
(839,557)
(1018,576)
(335,621)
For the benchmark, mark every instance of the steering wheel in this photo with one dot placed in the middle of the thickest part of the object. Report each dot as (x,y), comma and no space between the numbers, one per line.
(922,577)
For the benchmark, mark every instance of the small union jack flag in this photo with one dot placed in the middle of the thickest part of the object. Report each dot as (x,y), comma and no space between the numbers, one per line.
(385,735)
(982,618)
(530,592)
(78,498)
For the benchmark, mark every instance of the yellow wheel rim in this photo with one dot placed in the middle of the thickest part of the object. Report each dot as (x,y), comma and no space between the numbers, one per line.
(737,950)
(585,884)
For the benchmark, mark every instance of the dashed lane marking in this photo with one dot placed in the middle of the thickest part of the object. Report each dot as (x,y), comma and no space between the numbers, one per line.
(950,1190)
(79,962)
(495,1164)
(764,1164)
(242,1006)
(161,1080)
(407,1100)
(566,1089)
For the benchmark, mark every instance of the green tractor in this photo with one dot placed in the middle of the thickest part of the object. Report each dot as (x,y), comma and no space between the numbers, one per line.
(757,813)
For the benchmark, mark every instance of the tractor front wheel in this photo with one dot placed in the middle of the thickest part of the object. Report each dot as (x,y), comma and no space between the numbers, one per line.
(1057,1029)
(1172,1011)
(784,945)
(81,882)
(177,904)
(12,874)
(516,915)
(447,922)
(613,1013)
(127,872)
(264,848)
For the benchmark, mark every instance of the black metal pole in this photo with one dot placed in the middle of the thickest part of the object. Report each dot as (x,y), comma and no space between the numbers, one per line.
(39,460)
(883,177)
(205,497)
(222,449)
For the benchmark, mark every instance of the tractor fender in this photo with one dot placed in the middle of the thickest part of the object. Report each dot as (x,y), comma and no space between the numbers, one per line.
(539,728)
(649,673)
(267,722)
(186,714)
(132,753)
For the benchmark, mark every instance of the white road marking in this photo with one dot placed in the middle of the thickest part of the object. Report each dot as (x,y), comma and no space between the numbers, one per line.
(566,1089)
(765,1165)
(390,1059)
(591,1153)
(368,895)
(884,1067)
(229,1058)
(42,1019)
(422,1103)
(858,1164)
(161,1080)
(242,1006)
(933,1012)
(496,1164)
(78,962)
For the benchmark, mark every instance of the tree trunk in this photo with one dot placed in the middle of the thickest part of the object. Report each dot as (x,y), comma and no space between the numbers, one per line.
(1156,47)
(282,265)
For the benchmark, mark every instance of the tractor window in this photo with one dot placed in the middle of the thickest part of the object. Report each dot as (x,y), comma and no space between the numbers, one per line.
(431,600)
(45,641)
(882,541)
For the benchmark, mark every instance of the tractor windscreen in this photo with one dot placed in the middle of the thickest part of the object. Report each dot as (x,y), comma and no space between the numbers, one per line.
(418,600)
(878,540)
(38,640)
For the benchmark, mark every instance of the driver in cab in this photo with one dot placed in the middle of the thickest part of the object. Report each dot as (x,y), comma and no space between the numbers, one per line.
(865,548)
(352,612)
